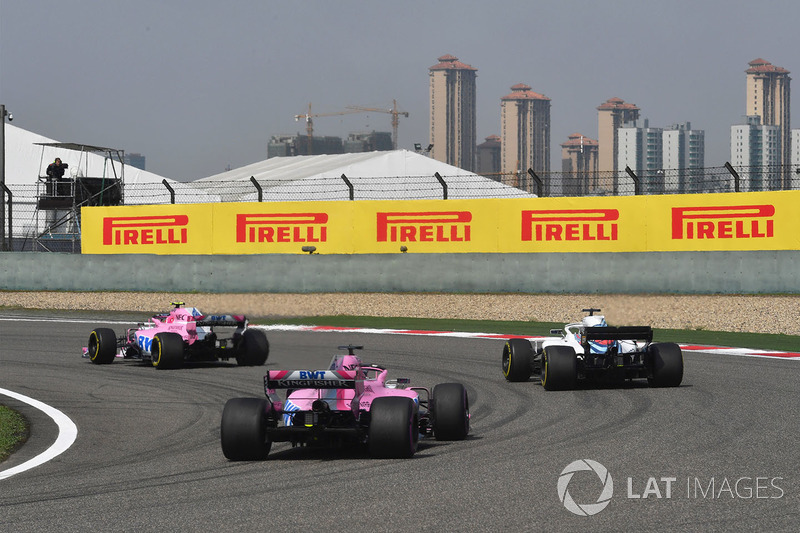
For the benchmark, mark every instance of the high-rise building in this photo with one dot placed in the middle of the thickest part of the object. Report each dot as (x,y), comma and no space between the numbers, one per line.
(579,166)
(525,130)
(135,160)
(684,156)
(611,115)
(768,97)
(755,152)
(489,156)
(452,115)
(640,148)
(664,159)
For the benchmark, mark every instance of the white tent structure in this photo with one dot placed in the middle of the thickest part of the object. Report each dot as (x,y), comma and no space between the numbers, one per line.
(27,156)
(27,160)
(386,175)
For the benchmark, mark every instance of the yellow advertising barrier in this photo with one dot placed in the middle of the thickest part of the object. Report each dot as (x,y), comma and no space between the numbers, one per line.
(283,227)
(147,229)
(698,222)
(729,221)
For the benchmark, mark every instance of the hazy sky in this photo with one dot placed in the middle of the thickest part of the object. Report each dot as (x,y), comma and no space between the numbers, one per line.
(199,85)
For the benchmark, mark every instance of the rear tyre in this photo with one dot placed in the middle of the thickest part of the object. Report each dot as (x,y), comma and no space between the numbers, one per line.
(559,368)
(393,428)
(666,365)
(243,431)
(102,346)
(517,357)
(167,350)
(450,409)
(254,348)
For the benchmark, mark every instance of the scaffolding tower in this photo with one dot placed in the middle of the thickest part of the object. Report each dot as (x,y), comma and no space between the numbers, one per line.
(96,180)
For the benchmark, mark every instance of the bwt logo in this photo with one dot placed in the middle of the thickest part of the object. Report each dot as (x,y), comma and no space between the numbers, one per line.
(723,222)
(429,226)
(281,227)
(167,229)
(570,225)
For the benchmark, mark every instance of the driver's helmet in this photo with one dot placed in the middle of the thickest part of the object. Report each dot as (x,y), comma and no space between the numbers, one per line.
(345,362)
(594,321)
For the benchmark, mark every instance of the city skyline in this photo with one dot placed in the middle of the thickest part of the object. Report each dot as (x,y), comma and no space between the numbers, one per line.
(199,90)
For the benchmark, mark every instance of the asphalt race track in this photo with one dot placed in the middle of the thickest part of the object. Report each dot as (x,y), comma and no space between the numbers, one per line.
(719,453)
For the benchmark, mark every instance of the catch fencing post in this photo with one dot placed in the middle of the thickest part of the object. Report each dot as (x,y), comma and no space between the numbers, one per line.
(734,174)
(170,189)
(538,180)
(258,188)
(349,186)
(636,188)
(443,184)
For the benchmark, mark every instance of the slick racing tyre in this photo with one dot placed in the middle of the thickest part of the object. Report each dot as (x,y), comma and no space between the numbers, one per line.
(243,431)
(393,428)
(517,358)
(666,365)
(254,348)
(450,409)
(559,368)
(167,350)
(102,346)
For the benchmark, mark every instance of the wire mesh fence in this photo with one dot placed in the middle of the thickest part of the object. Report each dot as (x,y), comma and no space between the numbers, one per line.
(30,226)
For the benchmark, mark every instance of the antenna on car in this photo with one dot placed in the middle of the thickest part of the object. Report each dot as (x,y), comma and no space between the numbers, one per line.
(350,348)
(591,311)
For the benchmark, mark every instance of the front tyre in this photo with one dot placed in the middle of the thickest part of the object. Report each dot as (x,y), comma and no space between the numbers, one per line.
(167,350)
(666,365)
(517,358)
(102,346)
(559,368)
(450,409)
(393,428)
(243,431)
(254,348)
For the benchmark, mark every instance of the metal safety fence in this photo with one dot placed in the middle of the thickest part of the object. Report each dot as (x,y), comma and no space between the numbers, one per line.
(28,226)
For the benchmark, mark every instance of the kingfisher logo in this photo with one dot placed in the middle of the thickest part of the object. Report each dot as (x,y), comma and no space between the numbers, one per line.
(428,226)
(723,222)
(570,225)
(281,227)
(145,230)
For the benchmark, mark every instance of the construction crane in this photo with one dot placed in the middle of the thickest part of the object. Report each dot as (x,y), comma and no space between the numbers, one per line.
(310,122)
(393,111)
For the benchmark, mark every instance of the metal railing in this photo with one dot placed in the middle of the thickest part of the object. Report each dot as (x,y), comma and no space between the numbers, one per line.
(23,206)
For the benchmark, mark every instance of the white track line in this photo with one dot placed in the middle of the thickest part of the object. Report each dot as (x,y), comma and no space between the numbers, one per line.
(67,433)
(795,356)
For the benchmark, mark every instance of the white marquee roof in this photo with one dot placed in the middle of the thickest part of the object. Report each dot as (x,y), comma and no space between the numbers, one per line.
(385,175)
(28,154)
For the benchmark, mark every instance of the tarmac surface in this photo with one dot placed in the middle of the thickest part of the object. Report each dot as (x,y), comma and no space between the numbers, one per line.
(717,453)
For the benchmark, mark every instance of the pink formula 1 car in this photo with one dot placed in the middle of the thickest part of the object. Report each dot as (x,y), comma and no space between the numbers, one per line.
(183,334)
(351,402)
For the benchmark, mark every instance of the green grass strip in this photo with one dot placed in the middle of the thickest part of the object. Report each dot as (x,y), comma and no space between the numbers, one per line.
(13,431)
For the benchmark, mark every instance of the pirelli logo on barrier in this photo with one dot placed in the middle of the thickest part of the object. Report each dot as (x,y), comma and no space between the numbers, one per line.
(145,230)
(570,225)
(723,222)
(424,226)
(281,227)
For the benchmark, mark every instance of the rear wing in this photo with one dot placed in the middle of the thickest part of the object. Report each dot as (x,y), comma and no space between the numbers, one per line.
(221,321)
(310,379)
(622,333)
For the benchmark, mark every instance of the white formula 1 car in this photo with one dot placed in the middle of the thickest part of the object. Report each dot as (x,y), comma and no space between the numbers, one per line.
(593,350)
